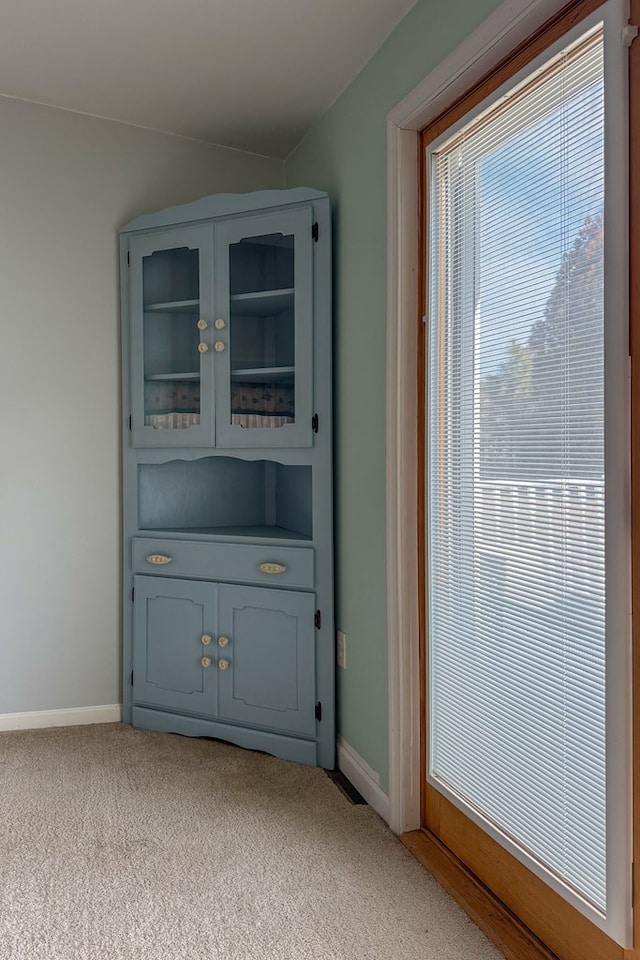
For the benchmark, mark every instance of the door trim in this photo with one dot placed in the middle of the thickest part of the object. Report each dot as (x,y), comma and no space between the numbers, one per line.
(509,26)
(496,921)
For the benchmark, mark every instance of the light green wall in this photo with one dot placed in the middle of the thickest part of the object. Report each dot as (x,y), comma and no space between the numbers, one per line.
(67,183)
(345,153)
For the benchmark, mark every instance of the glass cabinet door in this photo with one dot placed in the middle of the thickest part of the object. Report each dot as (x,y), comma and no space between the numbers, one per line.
(263,330)
(171,292)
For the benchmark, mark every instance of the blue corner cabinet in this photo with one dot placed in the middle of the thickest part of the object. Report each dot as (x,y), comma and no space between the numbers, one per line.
(227,457)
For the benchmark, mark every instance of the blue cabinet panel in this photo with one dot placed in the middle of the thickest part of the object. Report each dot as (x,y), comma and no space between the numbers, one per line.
(270,680)
(170,620)
(255,667)
(227,497)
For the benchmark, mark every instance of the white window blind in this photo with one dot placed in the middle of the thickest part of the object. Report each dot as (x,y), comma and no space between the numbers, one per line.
(516,467)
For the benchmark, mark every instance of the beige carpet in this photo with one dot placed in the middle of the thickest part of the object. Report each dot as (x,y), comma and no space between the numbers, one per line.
(117,843)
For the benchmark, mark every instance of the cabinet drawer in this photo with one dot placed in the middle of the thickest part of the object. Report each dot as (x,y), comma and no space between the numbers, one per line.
(248,563)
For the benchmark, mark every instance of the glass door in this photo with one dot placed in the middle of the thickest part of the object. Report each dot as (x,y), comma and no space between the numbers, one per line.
(171,308)
(527,611)
(263,331)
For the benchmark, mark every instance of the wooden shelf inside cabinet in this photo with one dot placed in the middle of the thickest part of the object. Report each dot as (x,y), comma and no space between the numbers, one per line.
(174,376)
(264,374)
(175,306)
(263,303)
(255,533)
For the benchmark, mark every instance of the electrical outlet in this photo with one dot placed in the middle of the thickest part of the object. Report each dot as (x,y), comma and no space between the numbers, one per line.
(341,649)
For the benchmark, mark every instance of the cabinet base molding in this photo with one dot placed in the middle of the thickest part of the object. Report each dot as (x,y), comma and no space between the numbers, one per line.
(69,717)
(496,921)
(287,748)
(365,779)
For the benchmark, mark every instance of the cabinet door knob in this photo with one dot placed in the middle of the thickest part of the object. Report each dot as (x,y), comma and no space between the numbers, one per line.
(223,664)
(202,347)
(271,567)
(158,559)
(219,324)
(223,641)
(218,346)
(205,662)
(202,324)
(205,639)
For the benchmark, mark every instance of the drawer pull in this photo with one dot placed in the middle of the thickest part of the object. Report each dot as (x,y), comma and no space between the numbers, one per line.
(158,559)
(223,664)
(272,567)
(206,639)
(223,641)
(205,662)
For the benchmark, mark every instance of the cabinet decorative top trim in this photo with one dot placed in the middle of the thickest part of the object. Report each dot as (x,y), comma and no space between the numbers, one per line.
(222,205)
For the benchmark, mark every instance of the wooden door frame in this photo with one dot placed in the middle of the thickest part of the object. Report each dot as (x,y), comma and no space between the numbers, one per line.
(477,55)
(510,25)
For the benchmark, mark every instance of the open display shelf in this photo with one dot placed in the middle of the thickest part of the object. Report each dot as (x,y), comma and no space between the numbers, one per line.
(249,532)
(214,492)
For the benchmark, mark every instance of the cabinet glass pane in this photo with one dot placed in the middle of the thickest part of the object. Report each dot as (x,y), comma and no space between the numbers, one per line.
(171,298)
(262,343)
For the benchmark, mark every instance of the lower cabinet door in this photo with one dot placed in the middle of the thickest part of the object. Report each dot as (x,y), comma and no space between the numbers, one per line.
(266,670)
(174,649)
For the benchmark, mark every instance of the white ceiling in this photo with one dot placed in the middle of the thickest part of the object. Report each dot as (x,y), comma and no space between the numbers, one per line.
(251,74)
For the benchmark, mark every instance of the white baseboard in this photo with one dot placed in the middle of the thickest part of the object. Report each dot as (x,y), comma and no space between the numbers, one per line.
(70,717)
(363,777)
